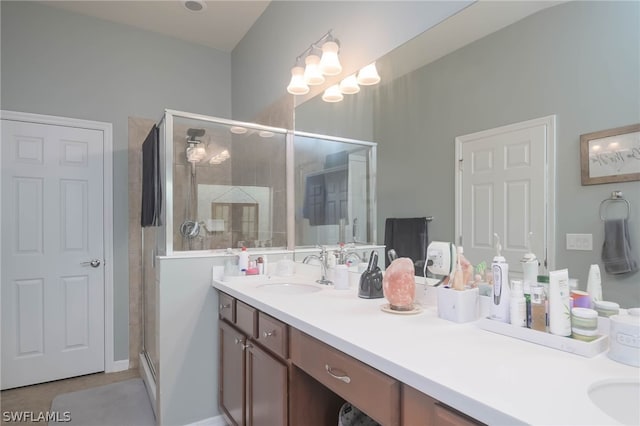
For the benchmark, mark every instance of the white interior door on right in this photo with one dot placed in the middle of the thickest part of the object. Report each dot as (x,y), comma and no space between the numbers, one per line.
(505,186)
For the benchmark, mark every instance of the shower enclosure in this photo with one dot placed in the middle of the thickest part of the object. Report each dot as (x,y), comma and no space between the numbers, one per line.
(228,184)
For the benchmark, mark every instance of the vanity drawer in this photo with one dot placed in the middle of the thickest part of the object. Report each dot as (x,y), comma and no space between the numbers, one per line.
(272,334)
(226,307)
(246,318)
(371,391)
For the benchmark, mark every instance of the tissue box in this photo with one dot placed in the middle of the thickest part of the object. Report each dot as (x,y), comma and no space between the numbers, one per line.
(458,306)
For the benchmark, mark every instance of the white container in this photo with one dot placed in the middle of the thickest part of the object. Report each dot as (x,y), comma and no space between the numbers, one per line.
(559,309)
(517,305)
(341,277)
(624,339)
(458,305)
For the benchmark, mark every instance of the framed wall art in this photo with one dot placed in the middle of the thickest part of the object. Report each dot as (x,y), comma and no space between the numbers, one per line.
(611,155)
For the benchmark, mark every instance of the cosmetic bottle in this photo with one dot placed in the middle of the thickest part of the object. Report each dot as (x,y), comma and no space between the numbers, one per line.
(500,299)
(243,260)
(559,310)
(538,309)
(517,305)
(594,284)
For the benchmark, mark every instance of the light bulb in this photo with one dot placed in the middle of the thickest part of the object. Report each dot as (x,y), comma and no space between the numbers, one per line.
(329,63)
(332,94)
(297,86)
(349,85)
(368,75)
(312,74)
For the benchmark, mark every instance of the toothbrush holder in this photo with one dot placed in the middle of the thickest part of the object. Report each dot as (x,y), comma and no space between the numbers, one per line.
(458,305)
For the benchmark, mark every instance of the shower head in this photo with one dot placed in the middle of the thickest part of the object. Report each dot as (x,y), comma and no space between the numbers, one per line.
(192,134)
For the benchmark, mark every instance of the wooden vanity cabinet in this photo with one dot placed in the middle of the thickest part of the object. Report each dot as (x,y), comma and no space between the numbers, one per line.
(418,409)
(252,388)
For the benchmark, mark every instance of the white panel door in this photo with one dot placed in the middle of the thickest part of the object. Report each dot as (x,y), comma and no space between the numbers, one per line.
(52,228)
(503,187)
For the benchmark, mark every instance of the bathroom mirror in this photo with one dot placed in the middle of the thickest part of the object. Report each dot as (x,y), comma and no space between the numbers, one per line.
(551,62)
(334,182)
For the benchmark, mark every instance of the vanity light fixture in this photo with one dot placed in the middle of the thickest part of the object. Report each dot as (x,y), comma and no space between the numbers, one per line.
(310,68)
(238,130)
(332,94)
(349,85)
(368,75)
(265,134)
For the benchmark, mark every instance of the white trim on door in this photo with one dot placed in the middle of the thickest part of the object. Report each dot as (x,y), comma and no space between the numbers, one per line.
(550,155)
(110,365)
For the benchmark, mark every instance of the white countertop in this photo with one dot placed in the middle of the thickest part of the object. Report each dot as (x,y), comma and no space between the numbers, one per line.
(493,378)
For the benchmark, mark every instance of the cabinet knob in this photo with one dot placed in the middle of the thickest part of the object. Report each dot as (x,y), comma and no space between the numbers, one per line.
(247,346)
(239,340)
(266,334)
(224,306)
(342,377)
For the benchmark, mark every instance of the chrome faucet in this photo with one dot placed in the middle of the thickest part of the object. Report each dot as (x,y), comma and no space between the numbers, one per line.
(344,255)
(322,258)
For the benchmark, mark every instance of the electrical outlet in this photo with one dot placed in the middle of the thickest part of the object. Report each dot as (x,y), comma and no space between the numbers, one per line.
(580,242)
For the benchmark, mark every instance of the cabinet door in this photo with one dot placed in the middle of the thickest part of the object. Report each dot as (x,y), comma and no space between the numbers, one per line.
(231,373)
(266,389)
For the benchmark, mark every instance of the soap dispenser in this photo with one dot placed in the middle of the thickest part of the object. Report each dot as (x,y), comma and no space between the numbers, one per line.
(500,299)
(529,264)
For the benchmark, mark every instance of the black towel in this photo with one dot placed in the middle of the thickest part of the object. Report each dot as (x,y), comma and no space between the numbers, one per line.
(314,200)
(151,183)
(617,254)
(409,238)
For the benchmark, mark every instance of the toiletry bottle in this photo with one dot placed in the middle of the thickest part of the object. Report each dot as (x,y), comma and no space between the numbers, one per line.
(265,264)
(500,300)
(529,263)
(538,309)
(243,260)
(260,263)
(559,310)
(517,305)
(594,284)
(458,279)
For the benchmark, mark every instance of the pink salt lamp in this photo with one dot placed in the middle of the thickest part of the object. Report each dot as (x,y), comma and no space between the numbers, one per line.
(399,284)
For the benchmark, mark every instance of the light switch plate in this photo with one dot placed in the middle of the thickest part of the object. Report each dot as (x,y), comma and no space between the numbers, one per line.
(580,242)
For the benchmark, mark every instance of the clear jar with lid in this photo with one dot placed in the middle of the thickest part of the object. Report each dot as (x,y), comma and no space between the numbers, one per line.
(538,308)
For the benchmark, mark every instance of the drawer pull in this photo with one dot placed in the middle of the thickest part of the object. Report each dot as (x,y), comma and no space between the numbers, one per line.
(247,346)
(268,333)
(343,377)
(225,306)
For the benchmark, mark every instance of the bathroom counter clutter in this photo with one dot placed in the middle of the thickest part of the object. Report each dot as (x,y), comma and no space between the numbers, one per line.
(493,378)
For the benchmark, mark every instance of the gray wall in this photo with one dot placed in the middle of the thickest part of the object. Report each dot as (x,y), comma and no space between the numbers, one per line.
(262,61)
(60,63)
(579,60)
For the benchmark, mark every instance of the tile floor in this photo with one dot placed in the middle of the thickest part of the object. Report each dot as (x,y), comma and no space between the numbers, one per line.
(38,398)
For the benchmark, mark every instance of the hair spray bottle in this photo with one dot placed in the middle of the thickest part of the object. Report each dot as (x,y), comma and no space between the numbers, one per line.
(500,300)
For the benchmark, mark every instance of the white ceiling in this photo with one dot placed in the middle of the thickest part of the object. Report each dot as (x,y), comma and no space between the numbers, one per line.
(221,25)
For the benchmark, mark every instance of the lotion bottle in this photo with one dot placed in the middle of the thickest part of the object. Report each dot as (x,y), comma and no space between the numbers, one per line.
(559,309)
(243,260)
(500,300)
(517,308)
(594,284)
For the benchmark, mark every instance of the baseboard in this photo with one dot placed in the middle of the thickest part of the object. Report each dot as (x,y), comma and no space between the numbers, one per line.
(211,421)
(119,365)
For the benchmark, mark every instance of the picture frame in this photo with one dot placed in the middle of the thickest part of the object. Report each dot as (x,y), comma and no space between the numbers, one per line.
(611,155)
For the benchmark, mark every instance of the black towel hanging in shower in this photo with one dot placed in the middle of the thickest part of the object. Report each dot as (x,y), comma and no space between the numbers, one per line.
(151,183)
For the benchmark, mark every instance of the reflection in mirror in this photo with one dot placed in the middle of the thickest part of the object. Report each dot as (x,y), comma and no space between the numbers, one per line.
(229,186)
(334,190)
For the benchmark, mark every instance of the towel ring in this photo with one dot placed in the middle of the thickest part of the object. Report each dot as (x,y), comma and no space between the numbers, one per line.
(616,197)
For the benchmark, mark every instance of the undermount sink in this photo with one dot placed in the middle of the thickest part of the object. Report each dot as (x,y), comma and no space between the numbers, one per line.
(618,398)
(290,288)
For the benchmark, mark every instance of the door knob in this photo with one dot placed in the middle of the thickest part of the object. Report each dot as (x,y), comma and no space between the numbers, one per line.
(93,263)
